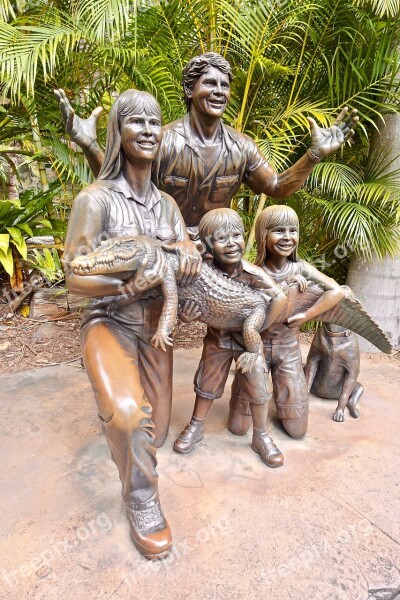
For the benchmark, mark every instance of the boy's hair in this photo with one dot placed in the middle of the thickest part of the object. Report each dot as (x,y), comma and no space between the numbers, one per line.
(199,65)
(214,220)
(270,217)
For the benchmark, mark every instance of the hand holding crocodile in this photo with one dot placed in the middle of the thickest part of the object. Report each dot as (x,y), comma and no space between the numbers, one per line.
(300,280)
(297,320)
(189,260)
(189,311)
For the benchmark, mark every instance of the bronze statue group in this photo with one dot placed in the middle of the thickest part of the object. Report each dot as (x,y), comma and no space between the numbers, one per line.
(174,184)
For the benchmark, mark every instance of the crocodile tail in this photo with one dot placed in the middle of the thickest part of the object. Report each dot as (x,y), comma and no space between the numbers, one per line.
(348,313)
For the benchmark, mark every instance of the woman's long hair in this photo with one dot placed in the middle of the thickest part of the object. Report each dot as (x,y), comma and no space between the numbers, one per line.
(129,102)
(270,217)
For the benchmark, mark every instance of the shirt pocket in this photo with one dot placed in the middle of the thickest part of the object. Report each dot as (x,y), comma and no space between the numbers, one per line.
(166,234)
(171,183)
(224,188)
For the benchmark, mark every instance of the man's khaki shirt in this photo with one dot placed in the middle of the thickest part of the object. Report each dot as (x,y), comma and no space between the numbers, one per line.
(179,169)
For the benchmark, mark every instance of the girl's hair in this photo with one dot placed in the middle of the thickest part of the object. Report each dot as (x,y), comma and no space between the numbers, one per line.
(129,102)
(214,220)
(270,217)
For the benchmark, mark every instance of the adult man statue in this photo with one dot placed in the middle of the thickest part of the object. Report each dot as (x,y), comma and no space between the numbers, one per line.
(203,162)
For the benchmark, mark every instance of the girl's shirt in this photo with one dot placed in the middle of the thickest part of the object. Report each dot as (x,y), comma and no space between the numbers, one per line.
(279,332)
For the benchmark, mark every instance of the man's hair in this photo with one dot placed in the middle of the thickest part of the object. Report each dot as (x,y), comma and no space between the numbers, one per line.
(199,65)
(216,219)
(270,217)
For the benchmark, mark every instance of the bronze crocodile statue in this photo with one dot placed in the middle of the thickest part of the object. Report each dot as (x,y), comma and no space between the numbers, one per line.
(224,303)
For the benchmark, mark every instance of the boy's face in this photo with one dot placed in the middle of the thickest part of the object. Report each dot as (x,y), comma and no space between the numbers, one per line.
(227,246)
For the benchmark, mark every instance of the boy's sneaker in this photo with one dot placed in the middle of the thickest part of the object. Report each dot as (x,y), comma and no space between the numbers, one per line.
(269,453)
(190,436)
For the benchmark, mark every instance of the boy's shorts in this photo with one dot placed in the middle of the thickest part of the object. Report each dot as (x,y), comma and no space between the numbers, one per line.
(213,370)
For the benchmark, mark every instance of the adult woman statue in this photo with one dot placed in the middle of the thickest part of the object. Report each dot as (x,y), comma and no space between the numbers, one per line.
(131,379)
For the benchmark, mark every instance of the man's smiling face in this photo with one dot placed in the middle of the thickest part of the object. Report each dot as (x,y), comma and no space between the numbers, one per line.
(211,93)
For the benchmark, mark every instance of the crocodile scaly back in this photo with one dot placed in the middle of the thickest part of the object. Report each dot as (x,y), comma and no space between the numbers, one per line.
(347,313)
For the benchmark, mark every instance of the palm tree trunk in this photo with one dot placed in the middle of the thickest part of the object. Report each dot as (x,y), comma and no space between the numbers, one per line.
(376,283)
(252,234)
(38,147)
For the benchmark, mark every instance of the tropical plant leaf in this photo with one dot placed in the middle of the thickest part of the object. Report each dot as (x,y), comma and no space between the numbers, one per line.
(4,242)
(18,240)
(6,260)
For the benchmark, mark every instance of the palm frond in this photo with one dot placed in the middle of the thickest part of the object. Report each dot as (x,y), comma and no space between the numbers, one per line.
(335,179)
(382,7)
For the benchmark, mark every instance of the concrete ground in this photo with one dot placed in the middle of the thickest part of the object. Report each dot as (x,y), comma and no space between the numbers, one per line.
(324,527)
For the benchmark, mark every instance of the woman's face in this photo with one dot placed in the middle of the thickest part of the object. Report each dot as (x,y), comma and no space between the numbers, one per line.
(141,136)
(282,240)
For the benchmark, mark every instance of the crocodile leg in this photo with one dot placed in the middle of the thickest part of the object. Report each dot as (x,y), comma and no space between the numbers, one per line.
(162,337)
(252,339)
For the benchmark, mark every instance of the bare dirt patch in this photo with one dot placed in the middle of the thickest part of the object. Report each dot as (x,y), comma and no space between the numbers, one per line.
(27,344)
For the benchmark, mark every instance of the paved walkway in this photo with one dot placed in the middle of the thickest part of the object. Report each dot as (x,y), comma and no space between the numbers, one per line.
(324,527)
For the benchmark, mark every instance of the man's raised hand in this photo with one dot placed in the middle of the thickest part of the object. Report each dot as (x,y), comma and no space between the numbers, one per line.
(325,141)
(82,131)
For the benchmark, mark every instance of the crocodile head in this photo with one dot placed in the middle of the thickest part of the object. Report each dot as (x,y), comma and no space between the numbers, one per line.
(112,256)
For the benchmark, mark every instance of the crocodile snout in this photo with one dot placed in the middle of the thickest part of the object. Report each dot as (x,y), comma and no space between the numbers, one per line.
(82,265)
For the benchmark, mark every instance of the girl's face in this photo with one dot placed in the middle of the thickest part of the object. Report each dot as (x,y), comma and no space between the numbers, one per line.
(282,240)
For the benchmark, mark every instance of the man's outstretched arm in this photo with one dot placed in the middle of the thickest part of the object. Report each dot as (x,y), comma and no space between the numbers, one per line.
(323,142)
(82,131)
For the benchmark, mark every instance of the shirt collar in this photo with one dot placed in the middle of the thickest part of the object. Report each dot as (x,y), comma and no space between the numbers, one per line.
(190,140)
(120,184)
(238,271)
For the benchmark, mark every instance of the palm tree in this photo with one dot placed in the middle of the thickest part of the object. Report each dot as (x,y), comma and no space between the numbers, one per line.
(375,278)
(290,59)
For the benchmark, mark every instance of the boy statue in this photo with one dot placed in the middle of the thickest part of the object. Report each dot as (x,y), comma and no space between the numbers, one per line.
(222,232)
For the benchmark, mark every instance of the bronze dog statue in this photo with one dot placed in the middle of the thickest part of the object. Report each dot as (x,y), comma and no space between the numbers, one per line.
(332,368)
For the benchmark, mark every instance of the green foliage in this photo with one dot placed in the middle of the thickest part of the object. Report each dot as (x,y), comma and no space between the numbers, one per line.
(290,60)
(48,263)
(24,218)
